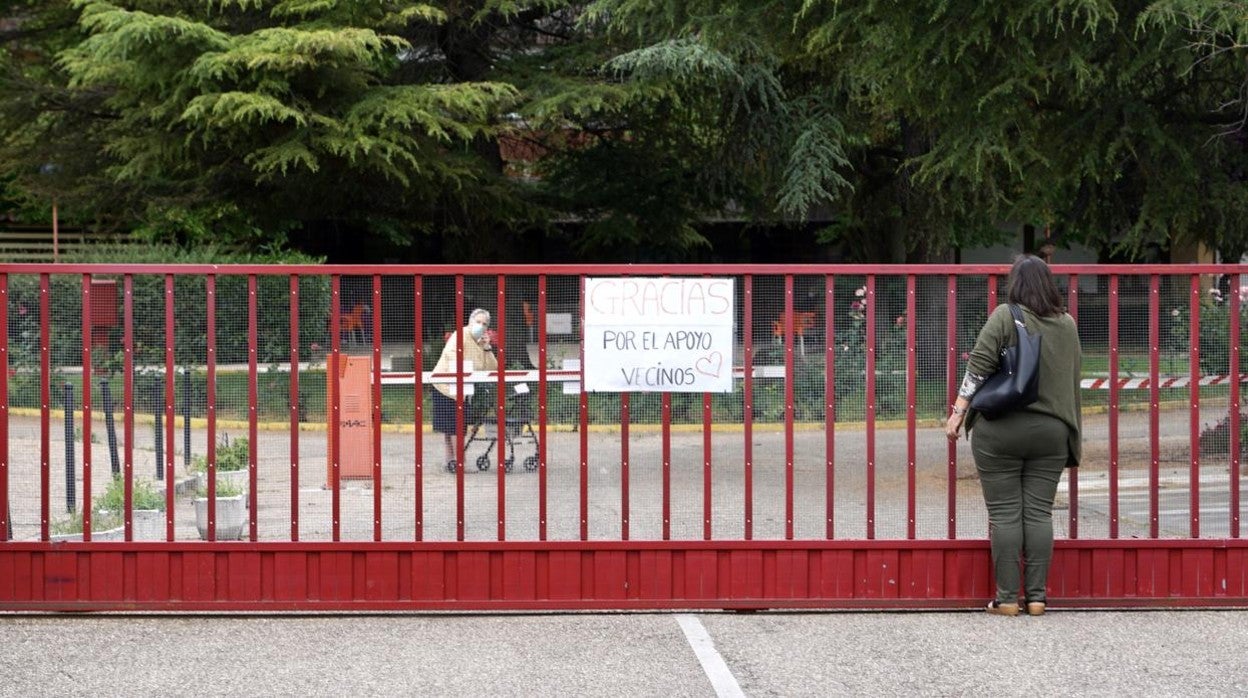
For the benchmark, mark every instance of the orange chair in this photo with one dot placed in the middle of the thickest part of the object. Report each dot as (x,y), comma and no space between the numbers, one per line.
(352,324)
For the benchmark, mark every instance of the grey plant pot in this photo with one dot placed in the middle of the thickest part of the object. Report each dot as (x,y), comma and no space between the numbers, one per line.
(231,517)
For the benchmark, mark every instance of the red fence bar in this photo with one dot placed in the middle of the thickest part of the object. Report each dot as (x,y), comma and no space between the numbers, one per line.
(666,408)
(418,406)
(335,390)
(706,466)
(870,347)
(127,396)
(542,417)
(4,408)
(584,425)
(624,420)
(459,408)
(789,379)
(992,293)
(45,405)
(1193,392)
(376,391)
(1113,405)
(1072,474)
(1234,370)
(501,408)
(951,396)
(1154,400)
(253,398)
(706,461)
(211,407)
(829,413)
(86,408)
(912,369)
(295,400)
(747,339)
(170,378)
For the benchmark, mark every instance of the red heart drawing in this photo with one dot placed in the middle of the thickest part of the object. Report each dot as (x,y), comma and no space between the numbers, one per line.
(710,364)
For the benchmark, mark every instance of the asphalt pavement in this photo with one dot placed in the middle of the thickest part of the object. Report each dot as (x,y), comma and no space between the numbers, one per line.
(1071,653)
(869,494)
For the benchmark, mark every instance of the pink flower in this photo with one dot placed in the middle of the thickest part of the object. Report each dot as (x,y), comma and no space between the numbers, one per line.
(315,347)
(21,308)
(856,305)
(900,321)
(965,356)
(860,291)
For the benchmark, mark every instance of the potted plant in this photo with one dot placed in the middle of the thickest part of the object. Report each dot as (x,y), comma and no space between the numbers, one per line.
(230,510)
(232,459)
(148,507)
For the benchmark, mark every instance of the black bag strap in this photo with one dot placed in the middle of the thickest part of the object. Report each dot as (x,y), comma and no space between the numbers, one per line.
(1017,312)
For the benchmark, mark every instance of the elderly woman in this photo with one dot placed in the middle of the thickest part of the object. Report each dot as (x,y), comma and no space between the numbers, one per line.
(1021,456)
(480,353)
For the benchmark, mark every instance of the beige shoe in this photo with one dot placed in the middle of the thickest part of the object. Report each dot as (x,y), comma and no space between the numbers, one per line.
(1002,609)
(1035,608)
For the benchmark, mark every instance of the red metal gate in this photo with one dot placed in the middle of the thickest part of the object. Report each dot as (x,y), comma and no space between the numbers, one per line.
(819,477)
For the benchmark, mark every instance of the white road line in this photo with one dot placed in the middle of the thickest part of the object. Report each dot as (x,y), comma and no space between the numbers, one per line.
(722,680)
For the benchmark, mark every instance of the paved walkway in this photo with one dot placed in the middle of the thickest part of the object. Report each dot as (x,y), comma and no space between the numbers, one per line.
(605,487)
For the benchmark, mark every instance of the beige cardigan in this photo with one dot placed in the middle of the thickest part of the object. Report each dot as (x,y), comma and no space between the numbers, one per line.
(481,359)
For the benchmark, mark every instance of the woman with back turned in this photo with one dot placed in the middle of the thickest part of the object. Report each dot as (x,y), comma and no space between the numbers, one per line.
(1020,456)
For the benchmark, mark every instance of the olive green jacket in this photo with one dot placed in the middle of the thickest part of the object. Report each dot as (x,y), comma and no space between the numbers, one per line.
(1061,357)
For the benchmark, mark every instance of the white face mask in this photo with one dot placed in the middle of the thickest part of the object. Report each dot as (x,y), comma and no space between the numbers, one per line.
(477,329)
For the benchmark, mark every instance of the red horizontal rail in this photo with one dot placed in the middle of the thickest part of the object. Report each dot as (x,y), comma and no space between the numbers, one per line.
(574,575)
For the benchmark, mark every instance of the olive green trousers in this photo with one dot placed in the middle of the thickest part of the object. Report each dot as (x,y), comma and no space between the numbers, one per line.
(1020,458)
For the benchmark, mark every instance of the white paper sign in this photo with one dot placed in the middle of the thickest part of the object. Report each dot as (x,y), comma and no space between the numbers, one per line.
(659,335)
(559,323)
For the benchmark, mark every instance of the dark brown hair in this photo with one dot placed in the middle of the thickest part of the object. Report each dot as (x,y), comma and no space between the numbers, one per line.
(1031,284)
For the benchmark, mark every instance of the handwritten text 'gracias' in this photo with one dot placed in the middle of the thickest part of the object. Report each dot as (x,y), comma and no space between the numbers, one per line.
(658,298)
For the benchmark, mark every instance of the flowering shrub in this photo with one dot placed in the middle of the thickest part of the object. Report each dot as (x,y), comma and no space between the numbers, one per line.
(1214,341)
(890,356)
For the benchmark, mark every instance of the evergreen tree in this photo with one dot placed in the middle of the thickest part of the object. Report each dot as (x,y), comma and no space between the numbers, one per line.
(251,118)
(1106,119)
(907,130)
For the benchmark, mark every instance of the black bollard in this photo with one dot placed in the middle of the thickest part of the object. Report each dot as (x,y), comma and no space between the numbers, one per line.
(70,500)
(159,430)
(110,427)
(186,422)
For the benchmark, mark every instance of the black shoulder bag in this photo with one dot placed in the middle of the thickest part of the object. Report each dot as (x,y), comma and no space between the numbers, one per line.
(1017,381)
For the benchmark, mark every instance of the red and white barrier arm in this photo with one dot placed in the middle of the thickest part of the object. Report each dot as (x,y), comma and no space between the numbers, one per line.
(559,375)
(1162,382)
